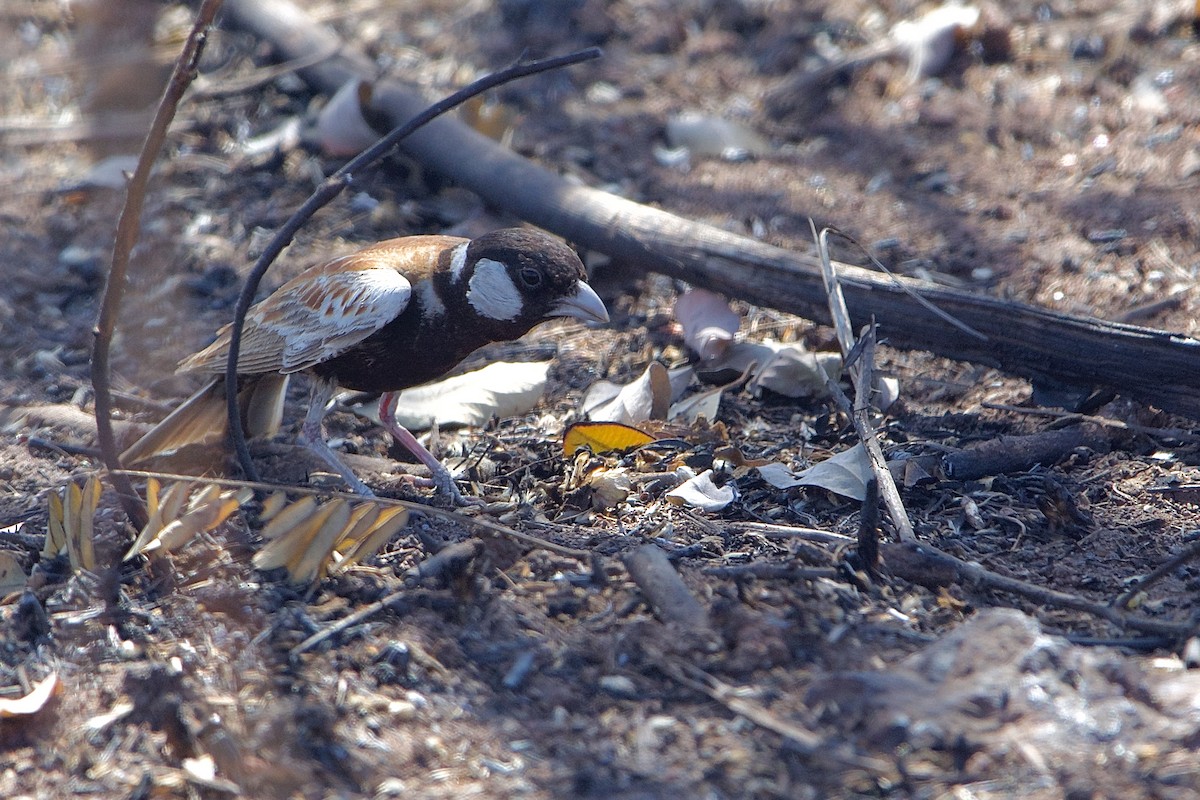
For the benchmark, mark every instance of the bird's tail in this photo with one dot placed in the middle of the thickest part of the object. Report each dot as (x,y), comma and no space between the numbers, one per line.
(201,420)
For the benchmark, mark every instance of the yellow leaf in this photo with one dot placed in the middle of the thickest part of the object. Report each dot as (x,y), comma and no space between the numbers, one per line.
(603,437)
(31,703)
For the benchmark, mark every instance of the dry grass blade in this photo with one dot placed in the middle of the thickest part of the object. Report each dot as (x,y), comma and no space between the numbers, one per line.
(388,523)
(56,534)
(311,540)
(289,545)
(170,525)
(314,560)
(69,525)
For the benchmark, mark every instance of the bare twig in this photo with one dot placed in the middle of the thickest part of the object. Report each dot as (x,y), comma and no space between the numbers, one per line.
(760,569)
(697,679)
(127,233)
(810,534)
(330,188)
(1178,434)
(1189,553)
(919,562)
(861,372)
(663,589)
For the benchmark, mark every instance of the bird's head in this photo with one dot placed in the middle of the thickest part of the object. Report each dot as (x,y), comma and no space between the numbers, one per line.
(516,278)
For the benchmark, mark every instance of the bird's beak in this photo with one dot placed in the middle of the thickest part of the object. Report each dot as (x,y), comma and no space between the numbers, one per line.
(584,305)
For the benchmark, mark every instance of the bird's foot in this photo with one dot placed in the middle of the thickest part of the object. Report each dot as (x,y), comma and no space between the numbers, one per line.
(446,490)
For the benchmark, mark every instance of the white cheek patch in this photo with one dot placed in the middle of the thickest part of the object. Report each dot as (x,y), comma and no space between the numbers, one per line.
(458,261)
(432,306)
(492,293)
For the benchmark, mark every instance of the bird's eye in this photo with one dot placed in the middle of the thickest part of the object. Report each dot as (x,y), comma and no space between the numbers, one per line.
(531,278)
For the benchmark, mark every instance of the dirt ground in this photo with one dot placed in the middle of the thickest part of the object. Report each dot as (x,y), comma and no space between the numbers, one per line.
(1054,160)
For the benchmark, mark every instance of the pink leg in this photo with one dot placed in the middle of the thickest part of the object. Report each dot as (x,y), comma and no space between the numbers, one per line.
(443,481)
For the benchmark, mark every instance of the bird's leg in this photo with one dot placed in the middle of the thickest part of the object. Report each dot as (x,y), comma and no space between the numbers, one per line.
(312,435)
(443,481)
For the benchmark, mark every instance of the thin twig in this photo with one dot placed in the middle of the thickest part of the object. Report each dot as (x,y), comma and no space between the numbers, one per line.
(919,561)
(803,739)
(1178,434)
(330,188)
(809,534)
(1192,551)
(861,374)
(769,571)
(128,227)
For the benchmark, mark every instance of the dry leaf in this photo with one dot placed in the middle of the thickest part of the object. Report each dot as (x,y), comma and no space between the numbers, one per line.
(12,577)
(845,473)
(714,136)
(272,505)
(56,535)
(648,397)
(786,369)
(170,525)
(609,487)
(306,550)
(700,492)
(289,517)
(342,128)
(70,523)
(501,389)
(603,437)
(312,540)
(708,323)
(31,703)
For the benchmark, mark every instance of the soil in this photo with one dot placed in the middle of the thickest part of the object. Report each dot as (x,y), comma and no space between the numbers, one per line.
(1054,160)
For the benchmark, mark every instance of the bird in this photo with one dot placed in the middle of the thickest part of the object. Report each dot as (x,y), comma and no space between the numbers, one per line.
(393,315)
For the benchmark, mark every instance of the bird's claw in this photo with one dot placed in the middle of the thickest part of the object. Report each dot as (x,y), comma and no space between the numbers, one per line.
(446,492)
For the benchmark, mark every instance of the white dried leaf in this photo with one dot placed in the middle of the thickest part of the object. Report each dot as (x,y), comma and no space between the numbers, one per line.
(609,487)
(708,323)
(648,397)
(342,129)
(700,492)
(845,473)
(707,135)
(502,389)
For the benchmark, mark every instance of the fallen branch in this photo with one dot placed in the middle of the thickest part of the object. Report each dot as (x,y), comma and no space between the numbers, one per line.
(664,590)
(1155,366)
(930,567)
(1018,453)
